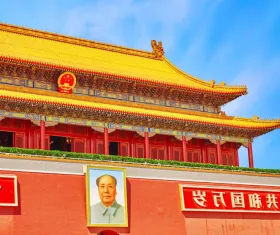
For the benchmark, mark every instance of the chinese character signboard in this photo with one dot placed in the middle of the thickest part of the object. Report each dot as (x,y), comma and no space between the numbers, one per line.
(235,199)
(8,190)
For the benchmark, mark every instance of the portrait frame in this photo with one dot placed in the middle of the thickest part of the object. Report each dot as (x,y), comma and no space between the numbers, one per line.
(92,173)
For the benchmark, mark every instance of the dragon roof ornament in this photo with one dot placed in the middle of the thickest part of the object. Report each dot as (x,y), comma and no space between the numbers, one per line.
(158,50)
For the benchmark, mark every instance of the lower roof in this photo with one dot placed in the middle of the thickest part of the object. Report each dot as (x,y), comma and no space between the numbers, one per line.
(69,101)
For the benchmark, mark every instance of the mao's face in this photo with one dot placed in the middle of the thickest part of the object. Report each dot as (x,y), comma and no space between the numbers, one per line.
(107,190)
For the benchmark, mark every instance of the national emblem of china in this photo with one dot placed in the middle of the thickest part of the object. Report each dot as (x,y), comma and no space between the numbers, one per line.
(66,82)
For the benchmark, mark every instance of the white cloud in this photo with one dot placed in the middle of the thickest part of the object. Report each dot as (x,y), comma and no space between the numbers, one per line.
(128,22)
(253,80)
(261,81)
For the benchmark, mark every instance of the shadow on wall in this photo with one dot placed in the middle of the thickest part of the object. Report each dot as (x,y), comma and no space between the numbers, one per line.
(108,232)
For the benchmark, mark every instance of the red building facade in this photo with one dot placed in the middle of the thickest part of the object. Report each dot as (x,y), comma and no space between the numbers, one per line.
(74,95)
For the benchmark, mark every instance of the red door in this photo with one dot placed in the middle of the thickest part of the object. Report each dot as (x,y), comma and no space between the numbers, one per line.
(228,158)
(212,156)
(99,147)
(47,142)
(177,154)
(193,156)
(79,145)
(157,152)
(124,149)
(140,150)
(19,140)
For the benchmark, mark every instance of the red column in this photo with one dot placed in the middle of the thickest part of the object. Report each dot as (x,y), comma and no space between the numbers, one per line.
(236,156)
(106,141)
(42,134)
(250,155)
(219,152)
(184,143)
(204,154)
(31,138)
(169,156)
(92,144)
(92,136)
(28,134)
(132,148)
(147,145)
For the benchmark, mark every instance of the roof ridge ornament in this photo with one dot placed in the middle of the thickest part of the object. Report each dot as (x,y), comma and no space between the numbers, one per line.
(158,50)
(256,118)
(212,83)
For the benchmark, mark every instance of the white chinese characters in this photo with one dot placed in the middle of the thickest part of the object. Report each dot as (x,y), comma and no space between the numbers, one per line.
(218,198)
(235,200)
(271,201)
(255,201)
(199,197)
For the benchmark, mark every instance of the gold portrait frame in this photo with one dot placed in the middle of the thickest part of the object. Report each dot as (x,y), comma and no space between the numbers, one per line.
(89,168)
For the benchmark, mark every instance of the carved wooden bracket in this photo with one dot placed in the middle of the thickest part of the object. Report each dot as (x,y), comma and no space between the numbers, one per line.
(142,133)
(213,141)
(101,129)
(179,137)
(51,124)
(245,144)
(36,122)
(47,124)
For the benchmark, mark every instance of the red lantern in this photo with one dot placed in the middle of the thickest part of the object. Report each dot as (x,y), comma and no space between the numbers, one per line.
(66,82)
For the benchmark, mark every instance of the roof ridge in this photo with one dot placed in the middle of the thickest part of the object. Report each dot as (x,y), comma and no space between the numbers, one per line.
(257,119)
(201,81)
(75,40)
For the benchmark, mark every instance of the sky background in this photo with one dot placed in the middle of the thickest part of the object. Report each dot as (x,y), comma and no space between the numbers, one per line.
(234,41)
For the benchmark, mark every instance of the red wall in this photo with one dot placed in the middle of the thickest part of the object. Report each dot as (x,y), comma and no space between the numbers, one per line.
(53,204)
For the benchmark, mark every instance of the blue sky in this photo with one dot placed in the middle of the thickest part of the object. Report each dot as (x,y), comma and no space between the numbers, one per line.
(235,41)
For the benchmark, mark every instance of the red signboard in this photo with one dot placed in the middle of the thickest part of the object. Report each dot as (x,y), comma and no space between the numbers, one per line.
(222,199)
(8,190)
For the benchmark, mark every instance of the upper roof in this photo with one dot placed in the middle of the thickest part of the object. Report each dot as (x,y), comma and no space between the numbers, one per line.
(73,54)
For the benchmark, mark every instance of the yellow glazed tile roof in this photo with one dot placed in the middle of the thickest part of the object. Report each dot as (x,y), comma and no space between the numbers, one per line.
(235,122)
(33,46)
